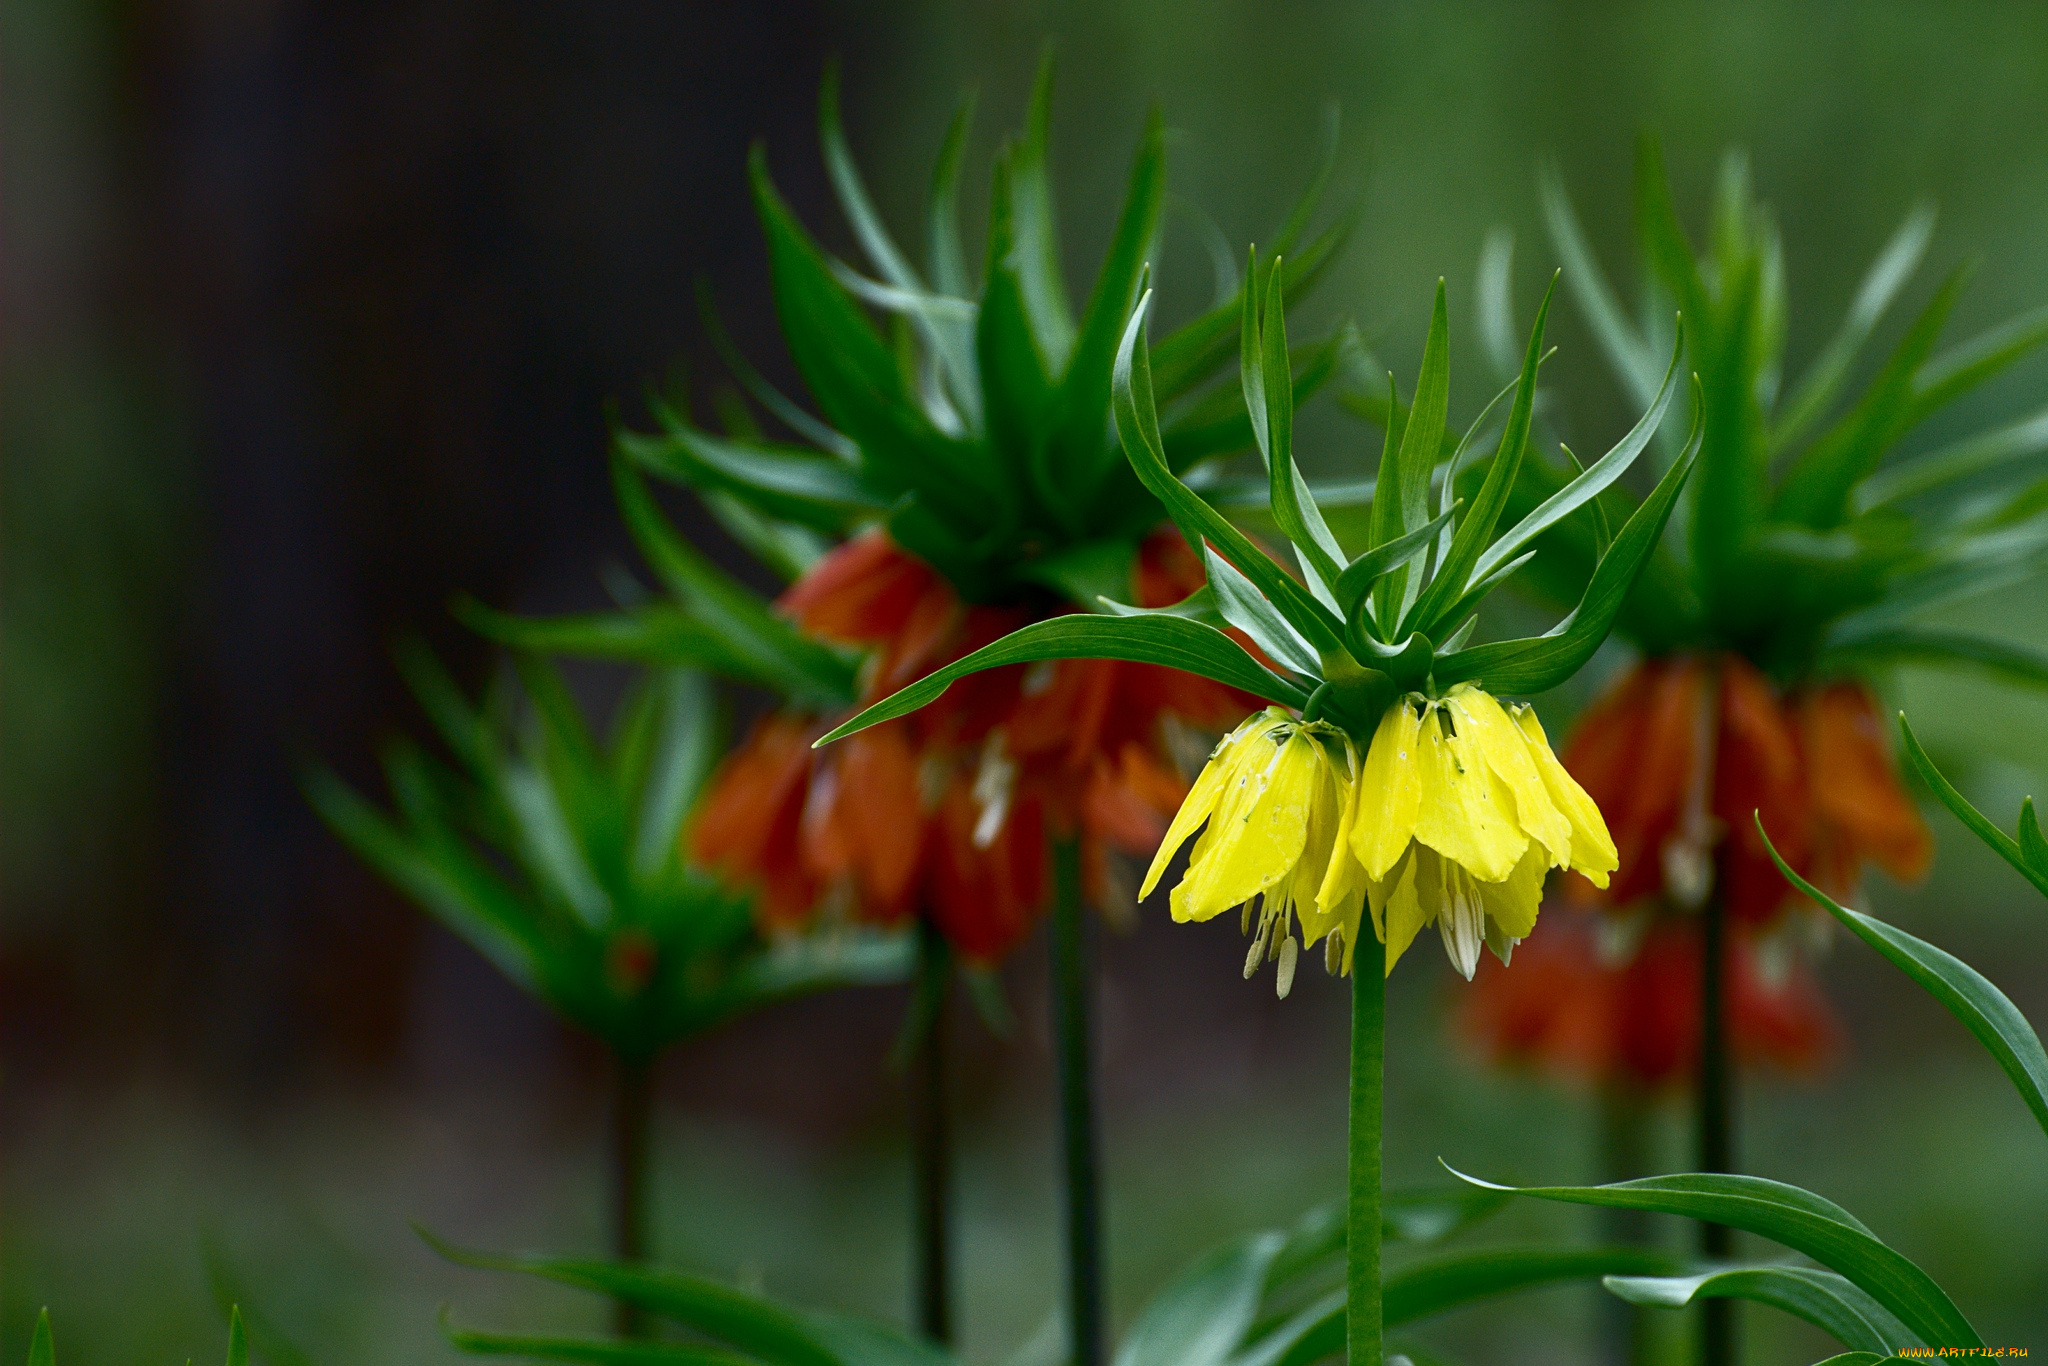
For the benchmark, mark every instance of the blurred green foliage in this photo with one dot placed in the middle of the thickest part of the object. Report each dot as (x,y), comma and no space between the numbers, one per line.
(1850,111)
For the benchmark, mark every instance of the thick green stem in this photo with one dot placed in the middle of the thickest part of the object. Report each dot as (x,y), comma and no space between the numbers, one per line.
(931,1139)
(1714,1114)
(1363,1328)
(631,1120)
(1071,983)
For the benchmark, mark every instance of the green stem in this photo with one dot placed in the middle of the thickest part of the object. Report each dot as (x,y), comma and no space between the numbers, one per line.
(1363,1328)
(1626,1329)
(631,1120)
(1714,1112)
(931,1137)
(1071,981)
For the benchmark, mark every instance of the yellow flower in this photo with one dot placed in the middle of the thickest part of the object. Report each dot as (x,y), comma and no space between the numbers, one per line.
(1277,795)
(1462,808)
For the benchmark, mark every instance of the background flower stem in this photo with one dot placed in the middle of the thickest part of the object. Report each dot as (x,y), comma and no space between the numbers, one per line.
(932,1140)
(1071,983)
(1362,1322)
(626,1174)
(1713,1114)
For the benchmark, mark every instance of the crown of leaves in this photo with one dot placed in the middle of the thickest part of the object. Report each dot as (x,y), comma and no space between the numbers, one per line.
(1354,632)
(1803,547)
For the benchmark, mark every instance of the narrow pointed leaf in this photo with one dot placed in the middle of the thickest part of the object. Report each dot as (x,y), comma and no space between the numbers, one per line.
(1268,384)
(1245,608)
(1200,1317)
(1954,649)
(948,257)
(1137,422)
(1083,425)
(1037,228)
(41,1352)
(758,387)
(1963,991)
(238,1339)
(1173,641)
(2000,843)
(1829,1302)
(1800,1220)
(1402,503)
(797,485)
(1361,573)
(1823,380)
(1971,456)
(1626,351)
(1588,486)
(1815,491)
(1963,367)
(592,1351)
(1531,666)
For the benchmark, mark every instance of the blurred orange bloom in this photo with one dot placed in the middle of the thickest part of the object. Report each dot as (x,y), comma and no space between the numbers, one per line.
(950,810)
(1678,754)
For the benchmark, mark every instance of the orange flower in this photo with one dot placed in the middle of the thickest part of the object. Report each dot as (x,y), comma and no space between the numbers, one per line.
(1634,1017)
(951,808)
(1678,754)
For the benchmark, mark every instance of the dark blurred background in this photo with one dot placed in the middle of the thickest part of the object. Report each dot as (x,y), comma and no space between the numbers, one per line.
(309,315)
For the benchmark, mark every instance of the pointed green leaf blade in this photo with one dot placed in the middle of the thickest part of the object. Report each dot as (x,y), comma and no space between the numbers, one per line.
(1963,991)
(1796,1218)
(1173,641)
(41,1351)
(1997,840)
(1201,1316)
(1829,1302)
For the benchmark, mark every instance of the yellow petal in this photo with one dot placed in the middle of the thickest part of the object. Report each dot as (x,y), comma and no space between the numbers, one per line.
(1344,879)
(1593,850)
(1506,751)
(1389,792)
(1512,904)
(1467,813)
(1260,829)
(1325,829)
(1196,808)
(1409,904)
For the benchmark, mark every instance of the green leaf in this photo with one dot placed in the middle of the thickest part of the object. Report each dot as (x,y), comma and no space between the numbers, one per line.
(1829,1302)
(1630,356)
(787,548)
(1202,1315)
(1016,373)
(1173,641)
(1970,456)
(1586,487)
(797,485)
(1219,423)
(1963,991)
(1037,228)
(1199,605)
(1137,423)
(2000,843)
(1669,254)
(1863,1359)
(1531,666)
(1193,351)
(1267,380)
(1815,490)
(238,1339)
(40,1350)
(1458,566)
(1801,1221)
(687,748)
(1450,1280)
(1084,573)
(1494,301)
(758,387)
(1401,500)
(948,257)
(853,374)
(656,633)
(804,669)
(1361,573)
(1823,380)
(1245,608)
(1963,367)
(758,1327)
(1081,425)
(1916,645)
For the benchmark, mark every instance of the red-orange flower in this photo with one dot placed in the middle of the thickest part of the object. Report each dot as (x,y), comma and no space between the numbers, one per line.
(1678,754)
(951,808)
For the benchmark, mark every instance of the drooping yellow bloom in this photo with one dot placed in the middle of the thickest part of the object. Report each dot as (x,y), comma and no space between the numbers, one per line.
(1277,796)
(1462,808)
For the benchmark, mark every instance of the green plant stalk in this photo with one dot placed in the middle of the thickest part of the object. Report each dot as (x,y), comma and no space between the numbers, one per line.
(631,1120)
(1364,1328)
(932,1140)
(1071,982)
(1625,1329)
(1713,1114)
